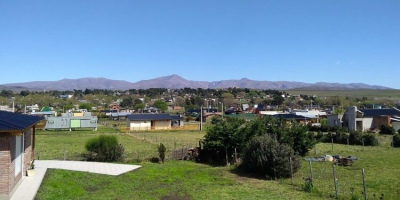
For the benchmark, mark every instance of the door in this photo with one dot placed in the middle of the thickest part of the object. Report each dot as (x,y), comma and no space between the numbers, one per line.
(18,154)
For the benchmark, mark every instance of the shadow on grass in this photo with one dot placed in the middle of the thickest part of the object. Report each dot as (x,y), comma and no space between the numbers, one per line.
(242,173)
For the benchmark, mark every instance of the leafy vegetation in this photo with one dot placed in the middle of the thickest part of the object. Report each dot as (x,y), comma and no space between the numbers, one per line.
(232,133)
(161,152)
(104,148)
(265,156)
(396,140)
(198,181)
(387,130)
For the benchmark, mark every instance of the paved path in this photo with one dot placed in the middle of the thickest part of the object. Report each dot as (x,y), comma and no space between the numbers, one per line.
(30,185)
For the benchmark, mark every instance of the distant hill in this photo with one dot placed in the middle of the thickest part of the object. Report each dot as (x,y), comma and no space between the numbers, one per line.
(174,81)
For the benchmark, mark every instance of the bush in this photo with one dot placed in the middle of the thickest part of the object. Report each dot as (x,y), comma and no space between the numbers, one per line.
(355,138)
(104,148)
(161,152)
(387,130)
(396,140)
(154,159)
(265,156)
(370,140)
(341,137)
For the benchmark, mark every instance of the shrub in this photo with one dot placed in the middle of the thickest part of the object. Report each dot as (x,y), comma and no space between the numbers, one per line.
(387,130)
(355,138)
(104,148)
(320,137)
(396,140)
(370,140)
(154,159)
(341,137)
(161,152)
(265,156)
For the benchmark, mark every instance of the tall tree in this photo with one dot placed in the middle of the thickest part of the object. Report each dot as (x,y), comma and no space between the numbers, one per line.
(161,105)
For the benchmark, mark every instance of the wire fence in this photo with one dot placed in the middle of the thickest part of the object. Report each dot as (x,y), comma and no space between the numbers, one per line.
(329,179)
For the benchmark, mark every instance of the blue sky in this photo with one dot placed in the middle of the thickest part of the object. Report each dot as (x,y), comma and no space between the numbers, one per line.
(309,41)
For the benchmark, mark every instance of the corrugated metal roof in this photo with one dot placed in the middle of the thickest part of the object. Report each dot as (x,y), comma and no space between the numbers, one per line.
(290,116)
(10,121)
(176,117)
(378,112)
(138,117)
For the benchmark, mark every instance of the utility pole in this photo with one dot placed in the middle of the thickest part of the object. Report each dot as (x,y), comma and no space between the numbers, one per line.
(201,118)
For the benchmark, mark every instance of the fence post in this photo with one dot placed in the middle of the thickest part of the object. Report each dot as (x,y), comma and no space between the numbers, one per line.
(235,156)
(335,181)
(332,144)
(226,156)
(182,152)
(291,169)
(392,142)
(311,173)
(364,184)
(64,153)
(174,144)
(315,149)
(362,139)
(347,141)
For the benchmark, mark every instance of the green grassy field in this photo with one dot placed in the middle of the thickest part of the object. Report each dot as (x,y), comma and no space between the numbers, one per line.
(188,180)
(381,166)
(351,93)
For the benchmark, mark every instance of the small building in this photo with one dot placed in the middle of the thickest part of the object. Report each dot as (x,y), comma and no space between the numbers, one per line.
(299,118)
(152,121)
(72,121)
(17,144)
(364,119)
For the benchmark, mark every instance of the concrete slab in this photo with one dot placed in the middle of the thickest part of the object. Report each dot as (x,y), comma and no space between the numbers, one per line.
(30,185)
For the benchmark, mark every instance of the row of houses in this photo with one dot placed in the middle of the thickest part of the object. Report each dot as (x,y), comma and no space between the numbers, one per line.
(354,119)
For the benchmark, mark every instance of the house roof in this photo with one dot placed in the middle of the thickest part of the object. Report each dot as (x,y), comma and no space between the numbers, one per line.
(290,116)
(140,117)
(378,112)
(10,121)
(176,117)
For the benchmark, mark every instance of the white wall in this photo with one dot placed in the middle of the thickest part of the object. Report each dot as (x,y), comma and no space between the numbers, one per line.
(367,123)
(396,125)
(334,120)
(140,125)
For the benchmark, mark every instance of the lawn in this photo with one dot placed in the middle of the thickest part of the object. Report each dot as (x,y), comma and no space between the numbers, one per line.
(189,180)
(172,180)
(69,145)
(381,166)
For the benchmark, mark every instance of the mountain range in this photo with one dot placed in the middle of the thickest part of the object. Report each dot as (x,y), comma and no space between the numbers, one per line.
(175,81)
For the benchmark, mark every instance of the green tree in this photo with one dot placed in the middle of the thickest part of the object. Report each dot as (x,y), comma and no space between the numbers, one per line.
(139,106)
(127,102)
(24,93)
(137,101)
(161,105)
(223,137)
(161,152)
(86,106)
